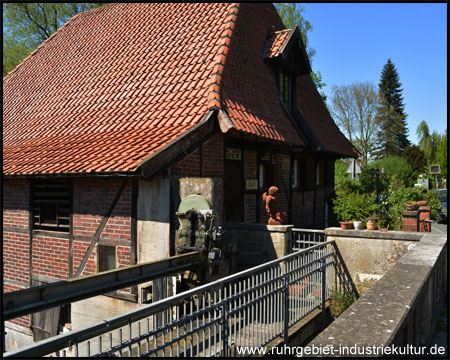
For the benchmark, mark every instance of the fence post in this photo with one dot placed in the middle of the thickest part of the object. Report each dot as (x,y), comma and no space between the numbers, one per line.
(286,309)
(225,329)
(323,271)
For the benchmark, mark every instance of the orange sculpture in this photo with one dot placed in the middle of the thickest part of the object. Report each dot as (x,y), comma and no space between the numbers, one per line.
(272,207)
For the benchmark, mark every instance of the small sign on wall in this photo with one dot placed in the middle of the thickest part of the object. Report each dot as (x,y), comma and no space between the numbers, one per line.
(233,154)
(435,169)
(251,184)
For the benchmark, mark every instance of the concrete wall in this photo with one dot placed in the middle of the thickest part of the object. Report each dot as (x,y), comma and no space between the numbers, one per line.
(402,307)
(257,243)
(153,219)
(368,255)
(17,336)
(211,188)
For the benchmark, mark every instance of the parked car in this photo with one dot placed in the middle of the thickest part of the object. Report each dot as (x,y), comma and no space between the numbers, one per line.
(442,214)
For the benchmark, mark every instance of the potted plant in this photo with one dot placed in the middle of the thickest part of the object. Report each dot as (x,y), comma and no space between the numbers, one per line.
(346,225)
(371,222)
(351,204)
(357,224)
(422,202)
(383,224)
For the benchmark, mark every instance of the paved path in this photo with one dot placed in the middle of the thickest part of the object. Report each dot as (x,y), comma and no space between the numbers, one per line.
(438,228)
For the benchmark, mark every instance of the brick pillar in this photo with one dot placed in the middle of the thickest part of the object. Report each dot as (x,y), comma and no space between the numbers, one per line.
(424,215)
(410,220)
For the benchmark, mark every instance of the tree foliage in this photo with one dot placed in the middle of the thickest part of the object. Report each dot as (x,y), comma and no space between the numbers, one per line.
(292,15)
(396,167)
(441,155)
(354,109)
(393,133)
(340,172)
(27,25)
(415,158)
(428,142)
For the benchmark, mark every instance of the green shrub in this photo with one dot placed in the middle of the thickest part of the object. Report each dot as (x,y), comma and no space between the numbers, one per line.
(396,166)
(340,172)
(350,204)
(339,302)
(434,201)
(396,198)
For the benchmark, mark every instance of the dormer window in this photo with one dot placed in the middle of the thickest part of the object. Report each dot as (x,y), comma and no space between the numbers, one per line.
(287,89)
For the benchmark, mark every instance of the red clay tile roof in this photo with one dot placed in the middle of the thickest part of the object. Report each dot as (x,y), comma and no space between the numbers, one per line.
(277,42)
(119,82)
(320,120)
(249,93)
(110,87)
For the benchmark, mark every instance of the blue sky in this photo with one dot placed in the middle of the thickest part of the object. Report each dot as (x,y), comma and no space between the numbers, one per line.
(353,42)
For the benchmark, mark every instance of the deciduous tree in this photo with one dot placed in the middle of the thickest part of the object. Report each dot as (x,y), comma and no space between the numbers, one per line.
(428,142)
(354,109)
(441,155)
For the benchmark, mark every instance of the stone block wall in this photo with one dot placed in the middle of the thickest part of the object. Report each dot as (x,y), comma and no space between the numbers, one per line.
(401,308)
(258,243)
(368,255)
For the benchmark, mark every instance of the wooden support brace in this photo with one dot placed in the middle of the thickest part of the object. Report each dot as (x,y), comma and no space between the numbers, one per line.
(102,225)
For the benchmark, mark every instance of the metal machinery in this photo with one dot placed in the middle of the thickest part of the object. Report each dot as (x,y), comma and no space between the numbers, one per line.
(199,231)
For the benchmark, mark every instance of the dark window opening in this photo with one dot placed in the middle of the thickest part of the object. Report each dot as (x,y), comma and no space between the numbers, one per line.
(51,206)
(320,173)
(310,173)
(330,172)
(106,258)
(65,319)
(269,175)
(287,89)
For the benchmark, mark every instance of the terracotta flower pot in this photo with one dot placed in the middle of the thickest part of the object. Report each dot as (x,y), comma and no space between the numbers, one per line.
(411,206)
(422,203)
(371,224)
(346,225)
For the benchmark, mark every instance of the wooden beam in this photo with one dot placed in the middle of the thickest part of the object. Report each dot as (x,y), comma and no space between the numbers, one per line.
(100,228)
(179,147)
(38,298)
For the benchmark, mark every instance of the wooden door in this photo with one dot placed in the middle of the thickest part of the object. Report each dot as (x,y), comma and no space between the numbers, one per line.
(233,194)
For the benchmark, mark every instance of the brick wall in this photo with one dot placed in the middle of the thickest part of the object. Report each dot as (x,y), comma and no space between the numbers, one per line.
(210,158)
(213,156)
(50,257)
(15,258)
(15,203)
(50,251)
(16,239)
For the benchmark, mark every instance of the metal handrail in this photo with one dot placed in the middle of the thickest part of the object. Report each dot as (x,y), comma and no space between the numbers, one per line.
(77,336)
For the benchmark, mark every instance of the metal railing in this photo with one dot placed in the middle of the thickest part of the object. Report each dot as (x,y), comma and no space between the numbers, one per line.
(304,238)
(249,308)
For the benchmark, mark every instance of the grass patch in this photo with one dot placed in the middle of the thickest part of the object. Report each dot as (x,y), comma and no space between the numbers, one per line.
(340,302)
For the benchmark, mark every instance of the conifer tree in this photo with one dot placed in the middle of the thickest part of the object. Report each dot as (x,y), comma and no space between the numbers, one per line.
(393,134)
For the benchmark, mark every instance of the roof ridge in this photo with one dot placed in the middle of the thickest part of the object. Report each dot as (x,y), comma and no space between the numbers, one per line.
(214,100)
(49,38)
(284,30)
